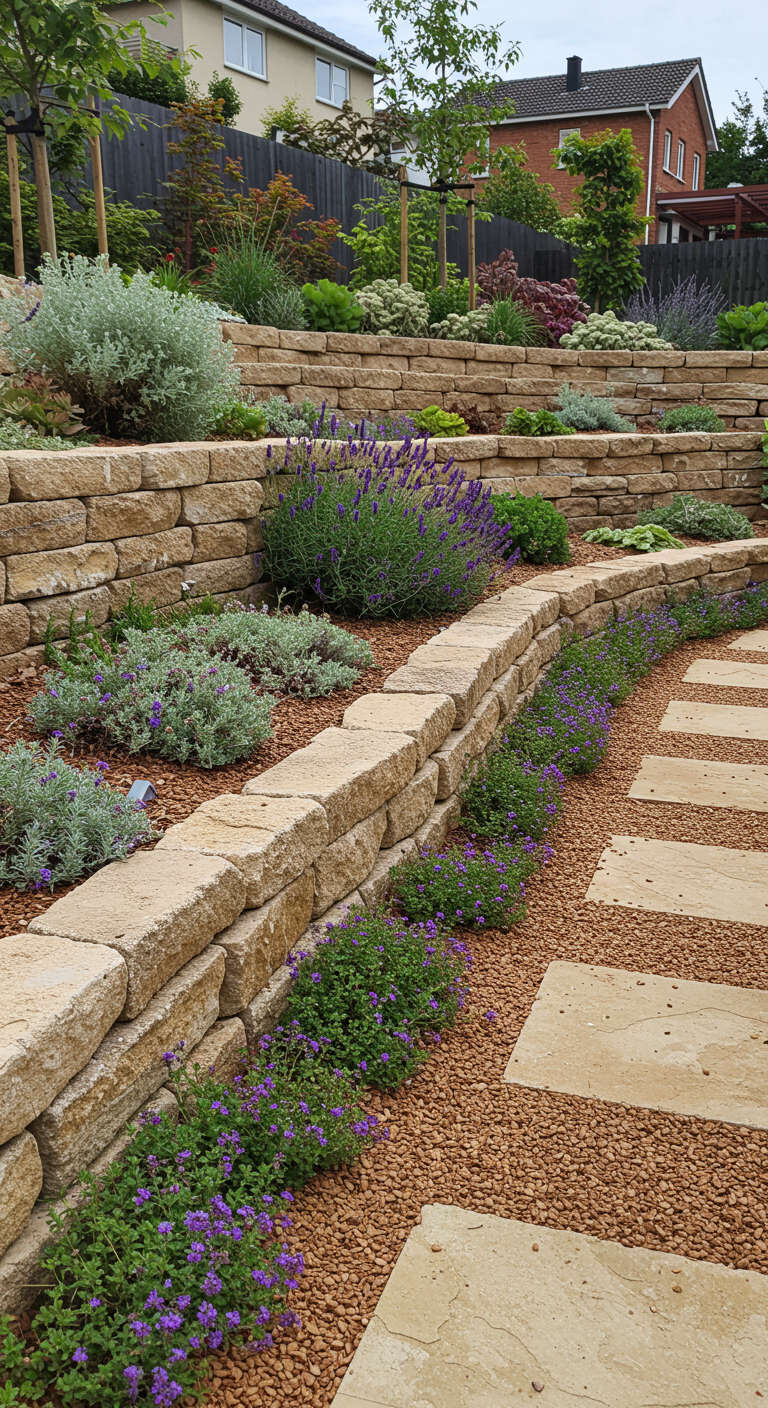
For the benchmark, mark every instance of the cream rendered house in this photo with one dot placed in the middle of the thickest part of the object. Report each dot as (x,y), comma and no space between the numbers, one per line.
(269,51)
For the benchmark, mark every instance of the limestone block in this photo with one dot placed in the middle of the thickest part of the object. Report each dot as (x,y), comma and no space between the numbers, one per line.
(126,515)
(259,1016)
(174,466)
(549,486)
(520,446)
(347,861)
(577,448)
(593,618)
(502,468)
(219,503)
(126,1070)
(5,482)
(652,483)
(624,575)
(445,815)
(74,472)
(549,641)
(599,484)
(15,628)
(37,574)
(157,910)
(259,941)
(530,664)
(575,587)
(153,552)
(375,888)
(212,541)
(644,599)
(692,443)
(698,479)
(20,1275)
(10,665)
(542,606)
(506,688)
(578,507)
(464,744)
(350,782)
(427,718)
(410,808)
(464,672)
(230,574)
(728,581)
(241,459)
(629,445)
(57,609)
(57,1000)
(21,1179)
(725,556)
(680,564)
(35,527)
(221,1050)
(163,588)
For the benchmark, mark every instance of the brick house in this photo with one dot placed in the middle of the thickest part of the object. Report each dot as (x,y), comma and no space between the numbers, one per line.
(665,106)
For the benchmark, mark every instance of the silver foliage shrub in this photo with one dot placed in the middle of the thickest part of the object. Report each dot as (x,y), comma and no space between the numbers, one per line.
(141,361)
(584,411)
(394,309)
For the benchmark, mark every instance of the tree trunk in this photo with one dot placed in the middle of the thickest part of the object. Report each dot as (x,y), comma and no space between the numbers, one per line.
(442,244)
(15,203)
(44,196)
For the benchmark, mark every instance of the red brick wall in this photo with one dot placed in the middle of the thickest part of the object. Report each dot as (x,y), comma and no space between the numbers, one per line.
(682,120)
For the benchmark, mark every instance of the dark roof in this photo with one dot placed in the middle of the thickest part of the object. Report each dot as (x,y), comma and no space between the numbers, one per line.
(274,10)
(602,89)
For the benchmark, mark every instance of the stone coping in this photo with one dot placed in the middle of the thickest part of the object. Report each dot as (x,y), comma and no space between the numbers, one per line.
(193,944)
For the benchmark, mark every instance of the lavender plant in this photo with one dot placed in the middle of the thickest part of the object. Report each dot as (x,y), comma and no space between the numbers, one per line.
(468,886)
(375,988)
(58,822)
(685,316)
(151,694)
(374,530)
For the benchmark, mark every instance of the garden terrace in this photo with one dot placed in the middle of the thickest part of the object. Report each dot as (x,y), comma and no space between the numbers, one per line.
(367,373)
(189,940)
(80,528)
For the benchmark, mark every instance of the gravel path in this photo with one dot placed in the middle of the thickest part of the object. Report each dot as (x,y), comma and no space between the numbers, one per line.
(458,1135)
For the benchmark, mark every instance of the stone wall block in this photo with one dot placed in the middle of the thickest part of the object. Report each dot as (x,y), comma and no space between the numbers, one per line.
(464,674)
(74,569)
(155,909)
(214,541)
(163,588)
(55,611)
(574,586)
(220,1052)
(43,524)
(15,628)
(153,552)
(427,718)
(219,503)
(376,886)
(21,1179)
(347,861)
(465,744)
(593,618)
(259,941)
(74,472)
(228,574)
(506,688)
(126,515)
(409,809)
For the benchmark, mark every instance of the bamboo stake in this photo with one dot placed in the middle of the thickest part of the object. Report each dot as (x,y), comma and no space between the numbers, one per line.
(45,219)
(403,176)
(471,257)
(98,190)
(442,241)
(14,190)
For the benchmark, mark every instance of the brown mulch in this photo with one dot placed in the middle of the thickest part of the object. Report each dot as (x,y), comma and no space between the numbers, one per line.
(458,1135)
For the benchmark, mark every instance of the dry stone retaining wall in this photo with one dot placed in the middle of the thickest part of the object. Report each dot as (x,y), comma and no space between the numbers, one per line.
(365,373)
(188,941)
(80,528)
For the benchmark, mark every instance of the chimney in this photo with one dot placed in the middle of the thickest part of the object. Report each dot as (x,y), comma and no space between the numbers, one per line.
(573,75)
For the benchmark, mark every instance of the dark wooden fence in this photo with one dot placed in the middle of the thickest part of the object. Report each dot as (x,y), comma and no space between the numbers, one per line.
(136,168)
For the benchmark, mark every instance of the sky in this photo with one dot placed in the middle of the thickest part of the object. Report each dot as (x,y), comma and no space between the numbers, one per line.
(731,39)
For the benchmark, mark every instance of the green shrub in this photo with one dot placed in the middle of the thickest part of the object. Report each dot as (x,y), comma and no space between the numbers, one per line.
(522,422)
(438,422)
(583,411)
(140,361)
(507,797)
(699,518)
(58,822)
(466,886)
(151,695)
(744,327)
(454,298)
(536,529)
(303,655)
(247,277)
(604,332)
(239,420)
(463,327)
(331,307)
(130,231)
(394,309)
(691,418)
(646,538)
(374,989)
(288,418)
(503,321)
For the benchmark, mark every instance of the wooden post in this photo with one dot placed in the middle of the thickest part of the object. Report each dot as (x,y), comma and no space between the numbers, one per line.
(442,241)
(100,209)
(14,191)
(403,177)
(738,220)
(45,219)
(471,258)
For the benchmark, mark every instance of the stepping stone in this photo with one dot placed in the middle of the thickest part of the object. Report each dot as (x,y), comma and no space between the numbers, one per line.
(728,674)
(716,720)
(753,640)
(637,1039)
(486,1312)
(741,786)
(680,877)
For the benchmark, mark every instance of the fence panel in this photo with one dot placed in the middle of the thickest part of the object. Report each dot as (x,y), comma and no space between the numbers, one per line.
(738,267)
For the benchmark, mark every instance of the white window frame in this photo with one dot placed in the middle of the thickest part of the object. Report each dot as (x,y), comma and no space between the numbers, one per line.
(333,68)
(244,30)
(566,132)
(680,168)
(667,151)
(696,173)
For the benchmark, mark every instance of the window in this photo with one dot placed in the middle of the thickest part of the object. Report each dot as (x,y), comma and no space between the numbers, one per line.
(696,177)
(680,160)
(244,48)
(332,82)
(667,151)
(566,132)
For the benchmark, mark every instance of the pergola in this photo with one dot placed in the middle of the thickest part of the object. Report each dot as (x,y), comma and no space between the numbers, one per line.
(731,205)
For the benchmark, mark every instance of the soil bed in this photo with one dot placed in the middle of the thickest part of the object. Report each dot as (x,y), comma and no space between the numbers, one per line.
(458,1135)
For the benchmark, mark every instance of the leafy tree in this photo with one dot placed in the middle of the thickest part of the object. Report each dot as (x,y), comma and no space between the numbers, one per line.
(61,51)
(517,193)
(375,239)
(129,230)
(198,193)
(285,116)
(608,261)
(224,92)
(356,138)
(743,143)
(164,82)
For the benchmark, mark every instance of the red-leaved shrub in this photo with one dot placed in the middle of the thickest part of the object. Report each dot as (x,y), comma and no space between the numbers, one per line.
(557,306)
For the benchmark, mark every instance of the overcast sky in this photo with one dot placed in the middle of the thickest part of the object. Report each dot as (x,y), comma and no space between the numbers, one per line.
(730,38)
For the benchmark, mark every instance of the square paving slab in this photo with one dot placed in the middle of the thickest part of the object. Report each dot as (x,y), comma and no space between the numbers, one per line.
(637,1039)
(716,720)
(680,877)
(729,674)
(741,786)
(473,1317)
(753,640)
